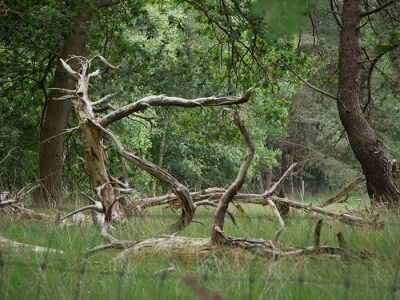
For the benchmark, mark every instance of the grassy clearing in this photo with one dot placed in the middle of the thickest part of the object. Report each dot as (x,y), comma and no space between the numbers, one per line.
(74,275)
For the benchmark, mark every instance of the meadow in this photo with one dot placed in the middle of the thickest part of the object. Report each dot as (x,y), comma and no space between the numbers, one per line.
(74,274)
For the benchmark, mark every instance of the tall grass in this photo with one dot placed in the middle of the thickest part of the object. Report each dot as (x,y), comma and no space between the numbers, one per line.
(75,275)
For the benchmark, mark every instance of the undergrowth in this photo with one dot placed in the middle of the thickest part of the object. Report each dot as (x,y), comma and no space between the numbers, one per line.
(76,275)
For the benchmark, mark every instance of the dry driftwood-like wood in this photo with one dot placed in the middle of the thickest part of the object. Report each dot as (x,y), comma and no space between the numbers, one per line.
(217,235)
(163,100)
(341,216)
(4,242)
(187,248)
(260,199)
(276,212)
(6,199)
(93,128)
(277,187)
(343,191)
(25,213)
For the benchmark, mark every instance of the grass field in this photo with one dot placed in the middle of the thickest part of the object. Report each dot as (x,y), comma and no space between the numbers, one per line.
(75,275)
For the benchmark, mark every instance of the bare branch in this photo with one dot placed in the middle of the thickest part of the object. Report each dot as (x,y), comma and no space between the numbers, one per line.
(90,198)
(95,73)
(106,3)
(18,196)
(211,19)
(179,189)
(97,207)
(66,97)
(379,8)
(70,130)
(217,237)
(75,75)
(163,100)
(278,184)
(103,60)
(63,90)
(277,235)
(306,82)
(276,212)
(106,98)
(341,216)
(11,11)
(8,202)
(104,233)
(343,191)
(207,202)
(8,154)
(335,13)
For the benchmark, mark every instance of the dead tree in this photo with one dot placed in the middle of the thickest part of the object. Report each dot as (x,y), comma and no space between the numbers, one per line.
(93,128)
(217,236)
(109,190)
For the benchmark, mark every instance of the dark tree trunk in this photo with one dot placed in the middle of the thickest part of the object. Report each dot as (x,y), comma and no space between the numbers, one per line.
(57,115)
(269,176)
(57,112)
(367,148)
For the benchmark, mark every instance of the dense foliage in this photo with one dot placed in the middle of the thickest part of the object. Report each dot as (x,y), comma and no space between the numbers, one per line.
(164,48)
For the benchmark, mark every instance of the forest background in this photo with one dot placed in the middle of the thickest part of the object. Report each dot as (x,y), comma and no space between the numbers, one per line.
(166,48)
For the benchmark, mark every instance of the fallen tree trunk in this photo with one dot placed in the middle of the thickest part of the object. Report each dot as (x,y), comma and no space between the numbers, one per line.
(189,248)
(13,244)
(214,195)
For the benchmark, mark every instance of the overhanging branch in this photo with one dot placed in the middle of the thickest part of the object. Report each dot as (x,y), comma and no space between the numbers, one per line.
(162,100)
(379,8)
(306,82)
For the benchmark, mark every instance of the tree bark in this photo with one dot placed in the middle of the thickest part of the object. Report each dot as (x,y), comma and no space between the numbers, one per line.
(268,174)
(366,147)
(57,114)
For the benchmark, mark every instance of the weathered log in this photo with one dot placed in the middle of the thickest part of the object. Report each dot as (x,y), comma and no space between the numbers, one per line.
(190,248)
(341,216)
(260,199)
(4,242)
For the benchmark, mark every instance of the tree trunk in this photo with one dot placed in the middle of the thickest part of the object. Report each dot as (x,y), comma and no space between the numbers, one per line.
(366,147)
(57,115)
(268,174)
